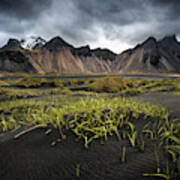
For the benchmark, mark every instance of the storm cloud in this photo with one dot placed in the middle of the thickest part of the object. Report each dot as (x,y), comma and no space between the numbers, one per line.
(114,24)
(23,9)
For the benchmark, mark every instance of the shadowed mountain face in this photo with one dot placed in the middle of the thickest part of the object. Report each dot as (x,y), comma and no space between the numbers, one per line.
(12,44)
(13,58)
(56,44)
(150,56)
(59,56)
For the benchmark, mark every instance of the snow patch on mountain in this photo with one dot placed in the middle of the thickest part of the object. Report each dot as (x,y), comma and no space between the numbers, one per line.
(32,42)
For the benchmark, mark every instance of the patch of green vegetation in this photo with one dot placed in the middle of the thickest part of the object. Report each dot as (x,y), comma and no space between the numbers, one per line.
(165,85)
(132,92)
(99,118)
(21,104)
(7,94)
(76,82)
(132,87)
(111,85)
(3,83)
(123,87)
(126,86)
(28,82)
(12,94)
(93,106)
(96,116)
(55,83)
(79,93)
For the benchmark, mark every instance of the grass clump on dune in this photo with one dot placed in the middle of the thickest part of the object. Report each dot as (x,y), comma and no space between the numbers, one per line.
(76,82)
(90,118)
(111,84)
(99,118)
(28,82)
(165,85)
(55,83)
(91,108)
(134,87)
(12,94)
(126,87)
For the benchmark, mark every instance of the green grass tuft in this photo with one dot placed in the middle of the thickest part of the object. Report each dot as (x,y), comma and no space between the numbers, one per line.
(37,83)
(111,84)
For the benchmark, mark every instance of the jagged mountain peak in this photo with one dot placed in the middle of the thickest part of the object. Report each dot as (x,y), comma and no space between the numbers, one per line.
(104,54)
(57,43)
(103,50)
(87,47)
(150,42)
(33,42)
(168,41)
(59,56)
(170,38)
(12,44)
(82,51)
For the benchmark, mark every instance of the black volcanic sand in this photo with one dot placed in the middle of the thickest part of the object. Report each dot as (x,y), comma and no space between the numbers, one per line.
(32,157)
(170,101)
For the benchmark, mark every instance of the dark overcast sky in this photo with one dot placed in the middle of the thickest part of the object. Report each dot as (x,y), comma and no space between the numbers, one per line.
(114,24)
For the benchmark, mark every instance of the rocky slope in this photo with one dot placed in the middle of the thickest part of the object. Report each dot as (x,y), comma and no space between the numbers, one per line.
(59,56)
(13,58)
(151,56)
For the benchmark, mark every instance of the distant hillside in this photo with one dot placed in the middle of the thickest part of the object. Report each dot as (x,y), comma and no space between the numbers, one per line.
(59,56)
(151,56)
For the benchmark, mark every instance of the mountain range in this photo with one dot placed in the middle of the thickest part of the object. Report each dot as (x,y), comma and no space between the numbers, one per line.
(59,56)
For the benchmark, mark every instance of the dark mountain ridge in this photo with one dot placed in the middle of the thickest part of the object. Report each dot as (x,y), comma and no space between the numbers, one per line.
(150,56)
(12,44)
(57,55)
